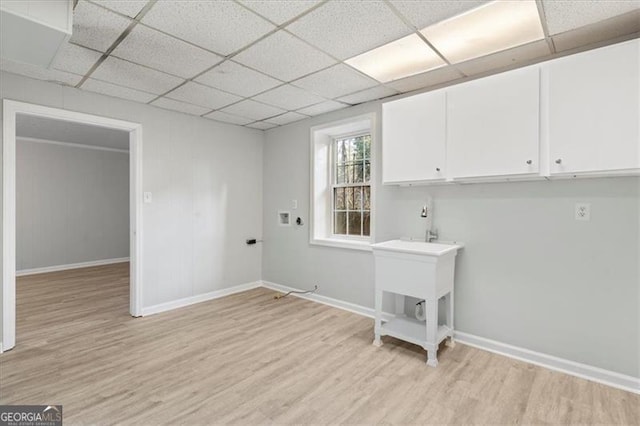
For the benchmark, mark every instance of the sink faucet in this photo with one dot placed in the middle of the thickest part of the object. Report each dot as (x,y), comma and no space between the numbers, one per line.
(431,235)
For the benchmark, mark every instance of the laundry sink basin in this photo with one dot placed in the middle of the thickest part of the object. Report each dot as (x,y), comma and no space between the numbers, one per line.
(418,247)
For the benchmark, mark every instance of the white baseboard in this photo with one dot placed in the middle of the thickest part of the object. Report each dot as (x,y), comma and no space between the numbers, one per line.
(584,371)
(174,304)
(347,306)
(57,268)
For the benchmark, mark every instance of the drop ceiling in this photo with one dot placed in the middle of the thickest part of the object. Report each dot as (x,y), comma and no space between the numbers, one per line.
(266,63)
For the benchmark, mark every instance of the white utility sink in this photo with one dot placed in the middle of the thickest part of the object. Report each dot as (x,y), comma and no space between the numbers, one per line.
(421,270)
(418,247)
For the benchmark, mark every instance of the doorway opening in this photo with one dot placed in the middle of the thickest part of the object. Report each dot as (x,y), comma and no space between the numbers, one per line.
(129,137)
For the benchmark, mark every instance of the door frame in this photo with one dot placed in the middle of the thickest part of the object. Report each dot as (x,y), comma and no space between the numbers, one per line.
(10,110)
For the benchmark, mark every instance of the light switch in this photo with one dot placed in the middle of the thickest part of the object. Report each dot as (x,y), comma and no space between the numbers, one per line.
(294,204)
(148,197)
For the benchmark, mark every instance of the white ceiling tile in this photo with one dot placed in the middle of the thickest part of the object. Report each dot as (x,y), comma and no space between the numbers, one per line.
(220,26)
(335,81)
(421,14)
(127,7)
(205,96)
(426,79)
(286,118)
(322,108)
(368,95)
(109,89)
(253,109)
(39,73)
(609,29)
(289,97)
(96,27)
(235,78)
(261,125)
(348,28)
(171,104)
(506,58)
(123,73)
(75,59)
(228,118)
(566,15)
(154,49)
(284,57)
(279,11)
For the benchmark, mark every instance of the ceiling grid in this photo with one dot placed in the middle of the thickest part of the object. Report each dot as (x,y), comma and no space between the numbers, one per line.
(262,64)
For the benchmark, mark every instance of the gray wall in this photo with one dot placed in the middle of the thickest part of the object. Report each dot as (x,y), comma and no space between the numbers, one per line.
(205,178)
(72,204)
(530,275)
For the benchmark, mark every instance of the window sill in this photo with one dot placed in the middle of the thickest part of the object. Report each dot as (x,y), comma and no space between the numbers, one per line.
(339,243)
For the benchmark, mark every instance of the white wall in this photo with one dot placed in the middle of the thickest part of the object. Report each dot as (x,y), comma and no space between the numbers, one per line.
(72,204)
(530,275)
(206,183)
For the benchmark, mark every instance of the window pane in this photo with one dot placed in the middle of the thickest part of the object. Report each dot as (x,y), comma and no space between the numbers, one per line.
(349,173)
(367,146)
(367,171)
(359,148)
(367,196)
(338,199)
(355,223)
(341,154)
(340,223)
(358,173)
(366,224)
(357,198)
(349,197)
(340,174)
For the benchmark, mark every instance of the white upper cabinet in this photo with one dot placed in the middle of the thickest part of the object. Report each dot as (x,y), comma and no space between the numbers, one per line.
(414,139)
(493,126)
(593,111)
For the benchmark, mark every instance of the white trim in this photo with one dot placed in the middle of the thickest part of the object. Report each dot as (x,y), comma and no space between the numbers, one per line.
(180,303)
(56,268)
(342,243)
(10,110)
(70,144)
(315,297)
(584,371)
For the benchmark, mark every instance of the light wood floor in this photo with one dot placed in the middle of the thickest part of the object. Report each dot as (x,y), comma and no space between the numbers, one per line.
(250,359)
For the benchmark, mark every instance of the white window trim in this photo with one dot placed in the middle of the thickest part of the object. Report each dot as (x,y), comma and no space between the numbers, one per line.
(322,137)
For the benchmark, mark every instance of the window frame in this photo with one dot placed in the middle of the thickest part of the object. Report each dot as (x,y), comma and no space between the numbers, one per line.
(332,179)
(321,179)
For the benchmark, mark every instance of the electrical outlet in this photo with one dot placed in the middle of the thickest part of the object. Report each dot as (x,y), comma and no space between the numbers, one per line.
(583,211)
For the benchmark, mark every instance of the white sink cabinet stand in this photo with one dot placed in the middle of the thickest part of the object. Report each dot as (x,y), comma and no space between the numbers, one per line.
(421,270)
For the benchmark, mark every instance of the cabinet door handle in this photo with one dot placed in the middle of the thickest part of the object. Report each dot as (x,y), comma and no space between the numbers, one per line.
(559,161)
(437,169)
(529,162)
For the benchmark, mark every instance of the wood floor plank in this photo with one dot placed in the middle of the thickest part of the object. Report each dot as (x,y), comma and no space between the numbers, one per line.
(250,359)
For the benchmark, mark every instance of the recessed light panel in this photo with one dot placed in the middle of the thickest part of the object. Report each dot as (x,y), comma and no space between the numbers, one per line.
(407,56)
(490,28)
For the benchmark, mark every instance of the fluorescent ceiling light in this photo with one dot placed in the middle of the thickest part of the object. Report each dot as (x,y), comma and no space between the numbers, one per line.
(401,58)
(490,28)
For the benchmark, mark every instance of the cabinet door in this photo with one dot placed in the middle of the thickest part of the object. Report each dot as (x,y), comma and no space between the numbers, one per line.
(493,125)
(413,138)
(593,110)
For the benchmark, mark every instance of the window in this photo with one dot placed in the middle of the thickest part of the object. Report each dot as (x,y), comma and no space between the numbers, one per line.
(343,182)
(351,185)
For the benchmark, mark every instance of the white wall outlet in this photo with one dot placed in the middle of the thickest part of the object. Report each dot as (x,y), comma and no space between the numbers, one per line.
(583,211)
(148,197)
(294,204)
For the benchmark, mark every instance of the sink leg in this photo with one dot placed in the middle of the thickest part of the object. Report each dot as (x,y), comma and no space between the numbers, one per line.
(432,358)
(378,319)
